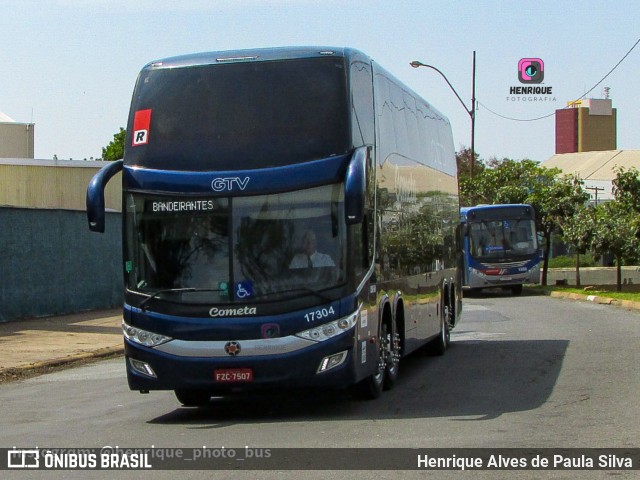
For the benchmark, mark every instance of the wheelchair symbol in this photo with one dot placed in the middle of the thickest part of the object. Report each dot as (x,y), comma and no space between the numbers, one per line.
(241,293)
(243,290)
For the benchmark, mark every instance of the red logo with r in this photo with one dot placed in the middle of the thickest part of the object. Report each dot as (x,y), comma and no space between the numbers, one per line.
(141,125)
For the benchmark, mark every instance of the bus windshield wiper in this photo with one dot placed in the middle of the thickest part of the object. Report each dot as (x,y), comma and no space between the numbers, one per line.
(144,302)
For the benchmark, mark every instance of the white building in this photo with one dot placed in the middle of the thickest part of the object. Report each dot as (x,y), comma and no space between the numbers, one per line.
(597,169)
(16,139)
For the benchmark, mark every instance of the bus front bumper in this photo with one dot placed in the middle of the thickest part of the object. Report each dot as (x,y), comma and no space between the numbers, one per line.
(481,280)
(225,367)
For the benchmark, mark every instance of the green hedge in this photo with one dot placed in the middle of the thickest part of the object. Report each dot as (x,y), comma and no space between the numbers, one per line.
(565,261)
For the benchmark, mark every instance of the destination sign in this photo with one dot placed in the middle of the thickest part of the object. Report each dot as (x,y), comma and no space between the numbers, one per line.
(179,206)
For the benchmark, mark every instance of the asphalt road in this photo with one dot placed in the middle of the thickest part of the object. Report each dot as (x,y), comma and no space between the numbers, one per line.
(528,372)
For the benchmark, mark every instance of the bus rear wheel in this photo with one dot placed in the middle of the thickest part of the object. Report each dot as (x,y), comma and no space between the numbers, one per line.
(439,345)
(391,349)
(193,398)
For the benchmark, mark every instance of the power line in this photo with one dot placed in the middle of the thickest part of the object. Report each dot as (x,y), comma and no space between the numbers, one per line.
(570,104)
(518,119)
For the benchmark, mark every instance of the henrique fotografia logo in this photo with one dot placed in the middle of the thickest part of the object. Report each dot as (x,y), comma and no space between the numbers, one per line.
(531,74)
(530,70)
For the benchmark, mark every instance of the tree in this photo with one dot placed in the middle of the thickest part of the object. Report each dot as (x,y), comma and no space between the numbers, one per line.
(465,181)
(618,221)
(555,199)
(115,149)
(578,231)
(615,233)
(505,181)
(626,188)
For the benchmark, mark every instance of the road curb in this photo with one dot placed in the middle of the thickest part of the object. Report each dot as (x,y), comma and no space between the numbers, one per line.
(76,357)
(597,299)
(37,368)
(626,304)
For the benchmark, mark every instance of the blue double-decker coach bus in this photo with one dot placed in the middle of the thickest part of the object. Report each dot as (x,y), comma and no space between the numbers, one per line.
(500,247)
(289,219)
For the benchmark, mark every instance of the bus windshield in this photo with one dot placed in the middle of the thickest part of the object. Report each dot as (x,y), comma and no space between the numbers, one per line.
(502,239)
(239,116)
(267,247)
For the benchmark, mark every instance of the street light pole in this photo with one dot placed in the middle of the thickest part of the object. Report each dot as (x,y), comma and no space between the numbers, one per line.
(471,111)
(472,114)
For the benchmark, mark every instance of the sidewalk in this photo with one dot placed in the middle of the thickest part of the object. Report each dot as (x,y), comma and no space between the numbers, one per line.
(35,346)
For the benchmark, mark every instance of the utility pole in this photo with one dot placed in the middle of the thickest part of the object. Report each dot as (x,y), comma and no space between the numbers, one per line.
(596,190)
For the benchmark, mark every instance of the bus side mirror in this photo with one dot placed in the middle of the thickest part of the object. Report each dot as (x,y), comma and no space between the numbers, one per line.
(95,195)
(355,187)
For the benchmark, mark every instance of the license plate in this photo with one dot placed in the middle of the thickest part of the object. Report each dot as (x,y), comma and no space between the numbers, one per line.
(229,375)
(506,279)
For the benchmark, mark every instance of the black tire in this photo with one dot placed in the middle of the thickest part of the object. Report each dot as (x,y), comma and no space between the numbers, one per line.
(516,290)
(391,347)
(439,345)
(453,311)
(371,387)
(193,398)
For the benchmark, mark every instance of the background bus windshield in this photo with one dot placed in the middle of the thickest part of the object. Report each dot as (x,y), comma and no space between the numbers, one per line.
(503,239)
(241,115)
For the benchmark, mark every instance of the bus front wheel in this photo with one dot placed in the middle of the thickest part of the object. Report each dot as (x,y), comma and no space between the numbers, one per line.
(371,387)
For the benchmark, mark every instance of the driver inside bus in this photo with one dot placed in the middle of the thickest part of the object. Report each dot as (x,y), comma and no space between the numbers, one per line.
(309,256)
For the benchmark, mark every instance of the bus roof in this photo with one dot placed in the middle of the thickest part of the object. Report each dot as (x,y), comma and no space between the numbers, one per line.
(491,207)
(251,55)
(493,210)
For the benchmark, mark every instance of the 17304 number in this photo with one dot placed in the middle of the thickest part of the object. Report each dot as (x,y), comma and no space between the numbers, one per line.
(319,314)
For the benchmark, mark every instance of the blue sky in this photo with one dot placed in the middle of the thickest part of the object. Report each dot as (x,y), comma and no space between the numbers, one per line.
(69,66)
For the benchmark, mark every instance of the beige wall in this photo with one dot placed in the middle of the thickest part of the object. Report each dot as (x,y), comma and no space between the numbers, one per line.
(55,184)
(596,132)
(16,140)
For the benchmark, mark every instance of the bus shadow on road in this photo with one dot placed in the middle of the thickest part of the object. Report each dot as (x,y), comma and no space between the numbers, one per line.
(483,379)
(474,380)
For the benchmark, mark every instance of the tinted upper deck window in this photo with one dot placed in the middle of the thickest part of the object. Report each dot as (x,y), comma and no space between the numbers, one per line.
(239,116)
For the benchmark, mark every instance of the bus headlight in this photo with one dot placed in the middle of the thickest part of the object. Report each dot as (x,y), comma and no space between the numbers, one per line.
(329,330)
(142,367)
(332,361)
(479,273)
(143,337)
